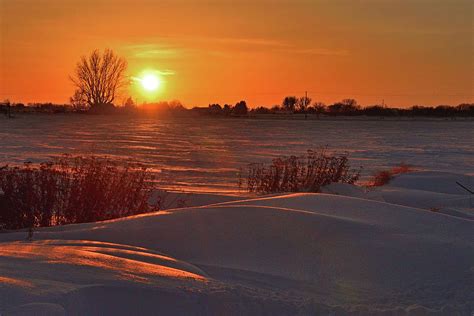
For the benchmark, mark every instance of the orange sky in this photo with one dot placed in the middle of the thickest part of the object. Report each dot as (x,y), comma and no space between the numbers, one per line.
(406,52)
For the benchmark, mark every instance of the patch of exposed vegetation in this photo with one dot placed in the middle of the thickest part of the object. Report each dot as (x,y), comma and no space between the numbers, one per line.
(70,190)
(306,173)
(383,177)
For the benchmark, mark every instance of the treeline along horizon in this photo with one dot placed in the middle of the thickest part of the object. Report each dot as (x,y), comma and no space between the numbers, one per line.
(290,105)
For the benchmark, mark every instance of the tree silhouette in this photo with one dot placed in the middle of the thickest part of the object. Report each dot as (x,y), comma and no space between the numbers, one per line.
(303,103)
(129,102)
(215,109)
(98,78)
(289,103)
(227,109)
(240,108)
(319,108)
(7,108)
(345,107)
(78,101)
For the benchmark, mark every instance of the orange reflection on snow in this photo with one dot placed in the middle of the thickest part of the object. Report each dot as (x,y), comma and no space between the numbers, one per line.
(127,263)
(108,248)
(15,282)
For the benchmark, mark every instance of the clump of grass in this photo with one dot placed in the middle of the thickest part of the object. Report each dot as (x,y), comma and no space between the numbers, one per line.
(383,177)
(73,190)
(306,173)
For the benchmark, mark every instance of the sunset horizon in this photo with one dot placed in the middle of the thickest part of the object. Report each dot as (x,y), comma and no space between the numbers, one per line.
(237,157)
(397,53)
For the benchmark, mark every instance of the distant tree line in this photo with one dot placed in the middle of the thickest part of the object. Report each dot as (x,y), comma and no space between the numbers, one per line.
(346,107)
(290,105)
(239,109)
(8,108)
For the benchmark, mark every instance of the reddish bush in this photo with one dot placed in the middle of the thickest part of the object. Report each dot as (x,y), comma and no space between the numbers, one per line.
(73,190)
(383,177)
(307,173)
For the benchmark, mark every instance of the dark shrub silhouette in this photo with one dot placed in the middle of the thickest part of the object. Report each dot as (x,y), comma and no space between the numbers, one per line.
(261,110)
(465,109)
(227,109)
(289,103)
(6,108)
(378,110)
(318,108)
(73,190)
(307,173)
(240,108)
(215,109)
(345,107)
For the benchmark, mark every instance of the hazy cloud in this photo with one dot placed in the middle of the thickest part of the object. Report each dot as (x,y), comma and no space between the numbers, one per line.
(154,51)
(319,51)
(179,47)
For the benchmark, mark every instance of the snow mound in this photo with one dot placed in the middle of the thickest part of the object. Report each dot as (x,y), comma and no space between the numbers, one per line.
(37,309)
(434,181)
(291,254)
(428,190)
(344,189)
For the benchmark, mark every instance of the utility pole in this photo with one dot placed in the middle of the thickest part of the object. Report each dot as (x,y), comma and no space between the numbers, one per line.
(305,104)
(9,109)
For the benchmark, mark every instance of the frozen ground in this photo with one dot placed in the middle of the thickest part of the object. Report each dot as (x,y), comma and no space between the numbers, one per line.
(205,154)
(403,249)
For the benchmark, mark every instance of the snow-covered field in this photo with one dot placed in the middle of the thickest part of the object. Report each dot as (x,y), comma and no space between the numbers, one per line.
(406,248)
(205,154)
(403,249)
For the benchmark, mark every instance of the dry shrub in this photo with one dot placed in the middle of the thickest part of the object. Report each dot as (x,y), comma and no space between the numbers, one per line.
(307,173)
(383,177)
(73,190)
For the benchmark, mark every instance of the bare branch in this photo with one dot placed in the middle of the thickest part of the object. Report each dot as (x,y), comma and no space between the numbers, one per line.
(98,77)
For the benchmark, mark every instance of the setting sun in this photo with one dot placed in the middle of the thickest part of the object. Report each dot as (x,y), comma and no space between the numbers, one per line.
(150,82)
(238,157)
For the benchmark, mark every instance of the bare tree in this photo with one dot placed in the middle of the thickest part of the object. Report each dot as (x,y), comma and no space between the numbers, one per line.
(302,103)
(78,101)
(129,103)
(289,103)
(98,78)
(6,107)
(319,108)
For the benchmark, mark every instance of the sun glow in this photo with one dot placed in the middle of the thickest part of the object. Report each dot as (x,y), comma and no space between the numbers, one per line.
(148,85)
(150,82)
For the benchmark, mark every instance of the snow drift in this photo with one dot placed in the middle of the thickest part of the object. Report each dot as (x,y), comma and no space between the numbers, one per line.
(290,254)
